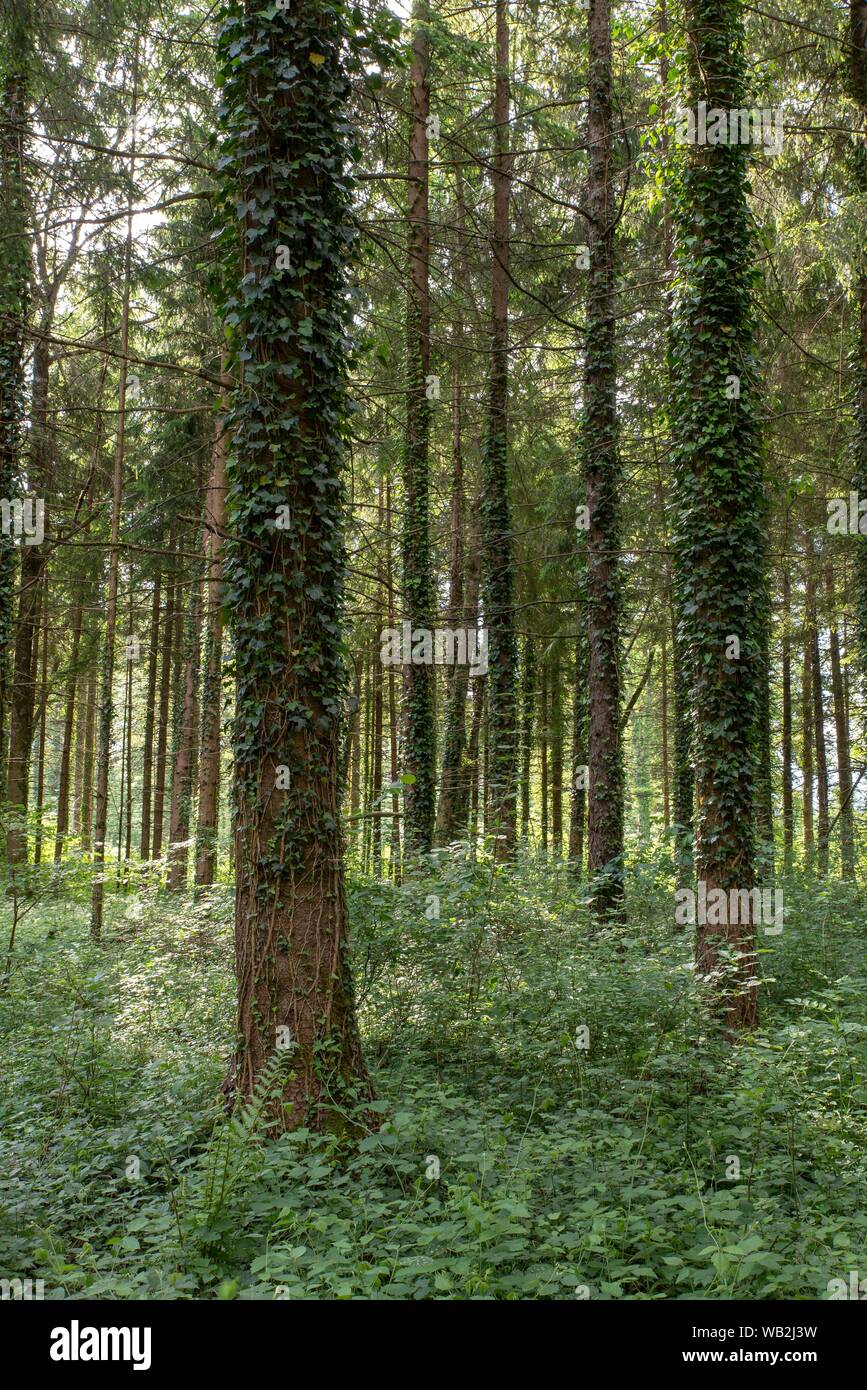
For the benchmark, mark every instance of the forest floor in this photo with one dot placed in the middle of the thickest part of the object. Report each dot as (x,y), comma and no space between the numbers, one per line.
(657,1162)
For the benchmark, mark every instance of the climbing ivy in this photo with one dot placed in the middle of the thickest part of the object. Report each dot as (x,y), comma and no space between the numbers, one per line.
(287,239)
(719,502)
(15,48)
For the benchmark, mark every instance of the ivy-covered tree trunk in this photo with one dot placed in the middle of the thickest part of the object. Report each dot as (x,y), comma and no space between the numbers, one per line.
(788,809)
(841,737)
(764,802)
(165,682)
(419,733)
(807,754)
(87,766)
(528,705)
(603,483)
(22,702)
(578,805)
(68,723)
(498,577)
(184,769)
(454,792)
(457,679)
(718,499)
(818,689)
(663,729)
(15,40)
(150,720)
(556,753)
(858,88)
(212,683)
(285,156)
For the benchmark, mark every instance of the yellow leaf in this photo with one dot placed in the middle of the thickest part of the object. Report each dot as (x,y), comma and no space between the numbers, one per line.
(317,58)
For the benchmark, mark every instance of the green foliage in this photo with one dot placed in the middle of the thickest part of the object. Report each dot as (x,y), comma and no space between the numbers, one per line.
(719,513)
(558,1167)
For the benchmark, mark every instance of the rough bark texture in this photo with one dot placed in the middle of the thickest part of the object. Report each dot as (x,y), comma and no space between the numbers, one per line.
(150,720)
(788,812)
(284,584)
(719,502)
(68,723)
(807,753)
(212,686)
(419,735)
(602,479)
(498,579)
(841,728)
(163,719)
(16,37)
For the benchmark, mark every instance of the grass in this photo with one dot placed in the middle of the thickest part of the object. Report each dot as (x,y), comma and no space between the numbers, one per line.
(511,1162)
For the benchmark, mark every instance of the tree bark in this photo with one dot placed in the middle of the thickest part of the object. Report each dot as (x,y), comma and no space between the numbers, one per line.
(719,507)
(498,578)
(150,719)
(68,723)
(184,769)
(822,798)
(602,478)
(212,685)
(841,727)
(807,752)
(163,720)
(419,738)
(16,37)
(286,149)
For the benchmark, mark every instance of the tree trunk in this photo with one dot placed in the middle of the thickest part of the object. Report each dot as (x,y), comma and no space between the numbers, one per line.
(497,540)
(184,769)
(719,507)
(23,692)
(578,812)
(394,765)
(212,685)
(16,39)
(150,718)
(43,725)
(68,722)
(286,150)
(419,739)
(807,752)
(666,780)
(87,776)
(528,701)
(544,740)
(454,792)
(841,726)
(602,478)
(857,46)
(788,816)
(163,720)
(556,755)
(823,819)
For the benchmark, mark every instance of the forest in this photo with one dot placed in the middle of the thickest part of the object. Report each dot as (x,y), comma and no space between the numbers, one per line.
(433,650)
